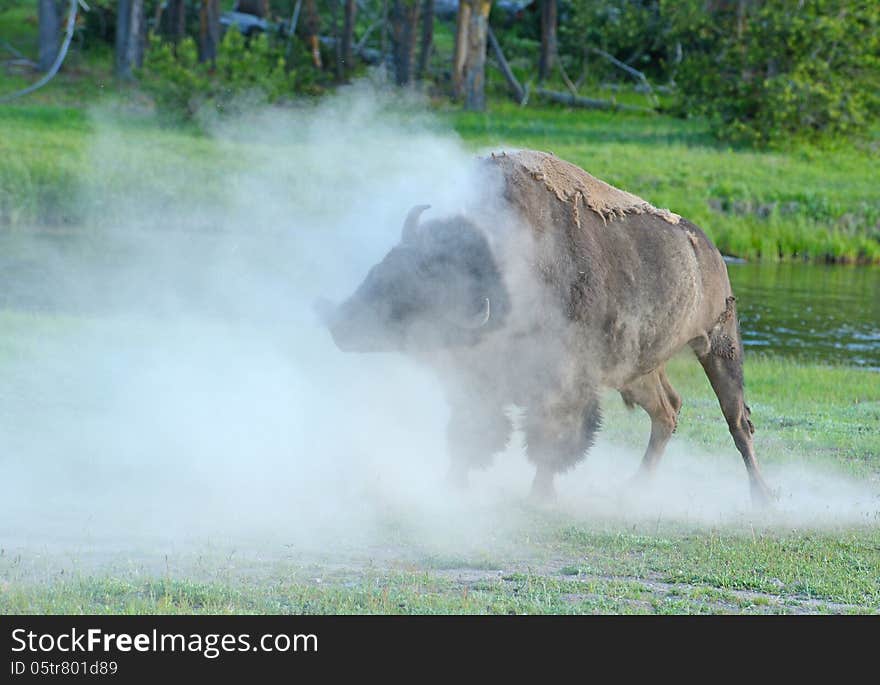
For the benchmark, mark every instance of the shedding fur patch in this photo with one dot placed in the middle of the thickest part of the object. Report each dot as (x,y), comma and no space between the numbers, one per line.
(573,186)
(721,343)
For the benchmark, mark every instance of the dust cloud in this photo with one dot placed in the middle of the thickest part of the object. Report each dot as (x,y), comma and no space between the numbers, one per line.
(163,376)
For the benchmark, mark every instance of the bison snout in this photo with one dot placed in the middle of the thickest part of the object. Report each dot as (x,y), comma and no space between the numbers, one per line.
(325,311)
(346,328)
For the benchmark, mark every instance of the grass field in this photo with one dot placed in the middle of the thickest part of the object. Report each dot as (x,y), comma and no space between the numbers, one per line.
(557,560)
(570,568)
(822,204)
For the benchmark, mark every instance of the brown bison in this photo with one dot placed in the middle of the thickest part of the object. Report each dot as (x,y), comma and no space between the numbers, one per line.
(563,286)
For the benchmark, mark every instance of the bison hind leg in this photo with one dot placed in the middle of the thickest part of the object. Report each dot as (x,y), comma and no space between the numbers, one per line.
(654,393)
(723,364)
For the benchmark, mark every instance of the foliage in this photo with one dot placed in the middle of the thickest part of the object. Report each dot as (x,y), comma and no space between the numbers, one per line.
(769,71)
(762,73)
(634,32)
(246,70)
(98,25)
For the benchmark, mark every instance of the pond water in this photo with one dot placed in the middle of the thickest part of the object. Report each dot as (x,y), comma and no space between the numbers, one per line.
(826,313)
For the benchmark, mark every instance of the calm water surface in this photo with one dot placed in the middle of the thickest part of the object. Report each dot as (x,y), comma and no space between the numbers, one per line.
(827,313)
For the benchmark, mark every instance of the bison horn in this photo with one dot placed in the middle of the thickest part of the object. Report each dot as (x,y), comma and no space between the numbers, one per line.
(412,221)
(480,319)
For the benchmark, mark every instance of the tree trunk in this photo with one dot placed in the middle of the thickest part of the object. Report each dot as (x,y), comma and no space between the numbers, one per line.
(548,38)
(427,38)
(209,30)
(339,70)
(259,8)
(174,20)
(130,36)
(404,22)
(348,35)
(311,25)
(459,55)
(475,59)
(50,31)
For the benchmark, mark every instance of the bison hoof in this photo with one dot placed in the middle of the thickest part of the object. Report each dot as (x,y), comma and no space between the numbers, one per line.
(641,481)
(543,490)
(457,478)
(762,496)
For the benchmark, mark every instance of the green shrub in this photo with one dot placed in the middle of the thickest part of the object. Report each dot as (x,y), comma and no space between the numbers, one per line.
(765,72)
(173,76)
(634,31)
(245,71)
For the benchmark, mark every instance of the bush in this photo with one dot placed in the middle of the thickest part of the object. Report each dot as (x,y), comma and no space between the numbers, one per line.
(634,31)
(770,71)
(246,70)
(98,26)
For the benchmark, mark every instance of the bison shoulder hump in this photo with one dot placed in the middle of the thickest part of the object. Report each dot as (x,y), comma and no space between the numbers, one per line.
(562,182)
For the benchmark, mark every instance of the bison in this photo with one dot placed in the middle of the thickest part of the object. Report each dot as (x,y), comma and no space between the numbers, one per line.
(561,287)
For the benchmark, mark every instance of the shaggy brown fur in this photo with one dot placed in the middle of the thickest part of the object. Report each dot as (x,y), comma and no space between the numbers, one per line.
(636,284)
(588,287)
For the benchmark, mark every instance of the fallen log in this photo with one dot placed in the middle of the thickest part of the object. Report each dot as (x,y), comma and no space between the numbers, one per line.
(518,92)
(572,99)
(635,73)
(588,103)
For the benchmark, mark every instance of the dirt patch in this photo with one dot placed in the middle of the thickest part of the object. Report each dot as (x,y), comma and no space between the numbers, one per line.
(652,591)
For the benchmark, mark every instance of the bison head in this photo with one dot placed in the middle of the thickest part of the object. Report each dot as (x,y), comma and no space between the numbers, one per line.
(438,287)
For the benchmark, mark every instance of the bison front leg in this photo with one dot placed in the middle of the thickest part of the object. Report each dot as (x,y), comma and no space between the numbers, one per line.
(475,433)
(559,431)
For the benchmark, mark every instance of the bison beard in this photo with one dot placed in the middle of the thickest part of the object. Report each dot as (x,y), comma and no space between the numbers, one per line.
(571,286)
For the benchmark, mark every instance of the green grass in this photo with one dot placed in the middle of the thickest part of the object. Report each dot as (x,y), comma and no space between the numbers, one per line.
(541,560)
(48,165)
(803,412)
(720,588)
(548,562)
(557,566)
(821,205)
(806,203)
(564,567)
